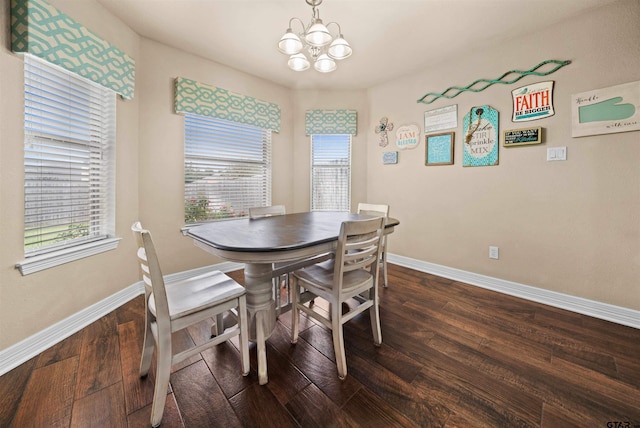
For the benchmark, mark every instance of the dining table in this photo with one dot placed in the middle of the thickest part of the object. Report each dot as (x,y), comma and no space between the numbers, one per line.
(261,243)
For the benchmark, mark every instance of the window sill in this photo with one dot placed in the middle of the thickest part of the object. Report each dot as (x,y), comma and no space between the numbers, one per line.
(56,258)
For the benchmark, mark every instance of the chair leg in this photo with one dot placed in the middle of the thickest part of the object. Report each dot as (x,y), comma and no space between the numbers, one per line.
(163,372)
(218,328)
(244,335)
(287,286)
(338,340)
(276,294)
(384,269)
(374,314)
(262,349)
(295,313)
(147,346)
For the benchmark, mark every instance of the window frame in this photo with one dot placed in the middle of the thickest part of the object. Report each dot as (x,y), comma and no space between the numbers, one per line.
(38,134)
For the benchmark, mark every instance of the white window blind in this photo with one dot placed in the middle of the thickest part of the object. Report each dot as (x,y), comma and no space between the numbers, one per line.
(68,159)
(227,168)
(331,172)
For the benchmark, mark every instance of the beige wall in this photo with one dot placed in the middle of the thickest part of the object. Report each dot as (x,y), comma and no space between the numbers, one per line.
(571,227)
(567,226)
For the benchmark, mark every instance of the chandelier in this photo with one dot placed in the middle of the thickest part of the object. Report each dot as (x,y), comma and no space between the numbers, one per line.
(314,44)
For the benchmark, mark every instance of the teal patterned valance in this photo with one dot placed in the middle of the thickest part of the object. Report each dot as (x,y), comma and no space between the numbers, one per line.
(331,122)
(42,30)
(199,98)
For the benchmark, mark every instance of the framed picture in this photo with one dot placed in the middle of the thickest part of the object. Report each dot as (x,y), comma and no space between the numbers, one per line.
(521,137)
(441,119)
(439,149)
(389,158)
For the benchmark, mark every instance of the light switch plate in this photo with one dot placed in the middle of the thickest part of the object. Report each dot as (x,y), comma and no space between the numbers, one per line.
(557,153)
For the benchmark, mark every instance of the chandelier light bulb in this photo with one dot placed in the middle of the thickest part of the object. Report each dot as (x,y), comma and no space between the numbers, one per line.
(298,62)
(318,35)
(339,48)
(324,64)
(290,43)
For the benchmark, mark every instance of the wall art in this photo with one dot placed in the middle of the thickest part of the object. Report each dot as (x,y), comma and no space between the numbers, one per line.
(480,130)
(382,129)
(441,118)
(533,102)
(439,149)
(408,136)
(389,158)
(482,84)
(606,111)
(521,137)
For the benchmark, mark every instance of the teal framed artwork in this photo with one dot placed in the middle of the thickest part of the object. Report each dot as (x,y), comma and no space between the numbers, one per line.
(481,134)
(439,149)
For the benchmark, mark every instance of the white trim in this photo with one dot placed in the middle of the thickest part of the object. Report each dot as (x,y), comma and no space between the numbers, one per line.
(605,311)
(17,354)
(56,258)
(21,352)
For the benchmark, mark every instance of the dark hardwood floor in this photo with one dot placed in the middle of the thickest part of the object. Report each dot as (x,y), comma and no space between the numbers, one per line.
(452,355)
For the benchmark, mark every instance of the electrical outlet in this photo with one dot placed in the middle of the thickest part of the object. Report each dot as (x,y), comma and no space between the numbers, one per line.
(493,252)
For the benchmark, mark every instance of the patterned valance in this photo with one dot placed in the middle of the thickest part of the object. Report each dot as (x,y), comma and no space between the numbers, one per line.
(42,30)
(199,98)
(331,122)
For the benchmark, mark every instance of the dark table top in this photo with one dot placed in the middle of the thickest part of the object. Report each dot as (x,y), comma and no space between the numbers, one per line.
(277,233)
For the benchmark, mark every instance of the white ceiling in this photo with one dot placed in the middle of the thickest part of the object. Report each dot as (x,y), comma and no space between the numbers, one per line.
(390,38)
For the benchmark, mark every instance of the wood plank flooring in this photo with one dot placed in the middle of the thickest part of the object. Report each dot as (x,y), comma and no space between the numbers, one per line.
(453,355)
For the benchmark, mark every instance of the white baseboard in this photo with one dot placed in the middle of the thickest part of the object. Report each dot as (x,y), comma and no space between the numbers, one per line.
(21,352)
(616,314)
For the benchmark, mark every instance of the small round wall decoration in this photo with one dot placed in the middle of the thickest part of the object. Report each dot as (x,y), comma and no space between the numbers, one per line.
(382,129)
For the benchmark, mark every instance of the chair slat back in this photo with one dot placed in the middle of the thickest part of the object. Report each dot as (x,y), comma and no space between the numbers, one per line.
(373,209)
(258,212)
(358,248)
(150,270)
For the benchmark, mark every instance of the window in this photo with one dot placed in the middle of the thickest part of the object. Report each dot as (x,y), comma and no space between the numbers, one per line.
(68,161)
(227,168)
(331,172)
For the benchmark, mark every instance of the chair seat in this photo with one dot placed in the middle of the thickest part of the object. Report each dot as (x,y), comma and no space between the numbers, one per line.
(321,275)
(197,293)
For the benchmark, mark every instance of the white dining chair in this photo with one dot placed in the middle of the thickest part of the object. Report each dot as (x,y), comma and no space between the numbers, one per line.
(175,305)
(383,211)
(258,212)
(352,274)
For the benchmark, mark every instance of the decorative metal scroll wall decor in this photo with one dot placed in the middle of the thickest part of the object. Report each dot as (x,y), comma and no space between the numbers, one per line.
(454,91)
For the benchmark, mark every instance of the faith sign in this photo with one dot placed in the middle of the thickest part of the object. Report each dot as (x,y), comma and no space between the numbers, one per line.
(533,102)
